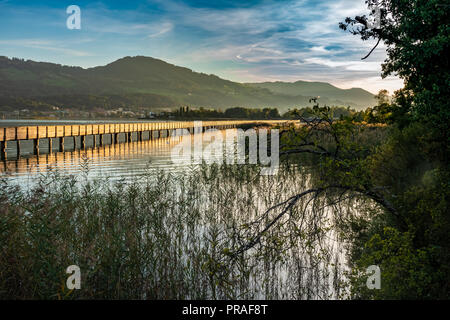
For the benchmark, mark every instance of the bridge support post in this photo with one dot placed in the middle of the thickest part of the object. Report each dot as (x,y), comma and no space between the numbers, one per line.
(102,142)
(94,136)
(3,146)
(36,146)
(83,142)
(18,149)
(50,145)
(61,144)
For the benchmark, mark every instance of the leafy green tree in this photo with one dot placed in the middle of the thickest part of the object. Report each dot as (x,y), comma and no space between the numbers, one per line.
(397,175)
(417,36)
(413,163)
(382,112)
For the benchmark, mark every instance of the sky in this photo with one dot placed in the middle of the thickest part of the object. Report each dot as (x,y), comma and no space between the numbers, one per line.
(244,41)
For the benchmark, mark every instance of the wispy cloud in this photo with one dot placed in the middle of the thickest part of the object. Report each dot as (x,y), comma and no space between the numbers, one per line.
(45,45)
(348,65)
(162,29)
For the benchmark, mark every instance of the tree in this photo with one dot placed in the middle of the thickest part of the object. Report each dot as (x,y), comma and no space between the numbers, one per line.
(382,112)
(403,173)
(417,36)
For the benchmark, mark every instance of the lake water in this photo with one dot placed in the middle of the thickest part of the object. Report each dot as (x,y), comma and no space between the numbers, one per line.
(117,161)
(295,276)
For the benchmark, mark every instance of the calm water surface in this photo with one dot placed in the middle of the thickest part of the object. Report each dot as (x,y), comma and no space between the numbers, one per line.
(118,161)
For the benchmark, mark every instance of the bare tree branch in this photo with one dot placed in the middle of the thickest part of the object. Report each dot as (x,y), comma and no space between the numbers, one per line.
(364,58)
(290,203)
(294,199)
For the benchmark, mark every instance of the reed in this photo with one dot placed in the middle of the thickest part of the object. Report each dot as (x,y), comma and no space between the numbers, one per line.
(164,236)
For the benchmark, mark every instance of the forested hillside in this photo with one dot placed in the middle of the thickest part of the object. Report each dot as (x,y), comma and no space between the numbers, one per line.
(147,82)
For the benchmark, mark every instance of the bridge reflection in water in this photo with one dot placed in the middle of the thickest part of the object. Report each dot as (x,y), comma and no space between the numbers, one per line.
(118,160)
(120,149)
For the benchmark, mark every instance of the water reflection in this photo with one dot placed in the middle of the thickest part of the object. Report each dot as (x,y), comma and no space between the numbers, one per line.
(123,160)
(303,271)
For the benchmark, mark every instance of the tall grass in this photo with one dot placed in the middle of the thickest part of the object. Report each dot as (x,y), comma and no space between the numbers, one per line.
(166,236)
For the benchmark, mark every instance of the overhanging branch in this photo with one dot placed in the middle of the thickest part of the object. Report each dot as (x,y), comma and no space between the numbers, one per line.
(379,40)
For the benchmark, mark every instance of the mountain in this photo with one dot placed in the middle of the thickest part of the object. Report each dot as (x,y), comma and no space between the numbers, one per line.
(326,91)
(151,83)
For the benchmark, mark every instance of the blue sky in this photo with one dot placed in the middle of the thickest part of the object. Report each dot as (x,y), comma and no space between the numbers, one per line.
(245,41)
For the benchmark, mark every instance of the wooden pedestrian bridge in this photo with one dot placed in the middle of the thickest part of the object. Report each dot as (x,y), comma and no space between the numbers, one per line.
(104,133)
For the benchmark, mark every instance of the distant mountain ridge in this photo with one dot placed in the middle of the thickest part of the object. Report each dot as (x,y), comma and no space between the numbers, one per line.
(325,90)
(152,83)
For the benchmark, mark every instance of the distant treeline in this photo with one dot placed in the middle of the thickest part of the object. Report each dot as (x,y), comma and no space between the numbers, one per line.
(236,113)
(370,115)
(36,108)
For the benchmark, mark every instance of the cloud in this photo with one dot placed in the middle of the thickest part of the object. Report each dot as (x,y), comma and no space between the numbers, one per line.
(45,45)
(348,65)
(162,29)
(291,40)
(101,20)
